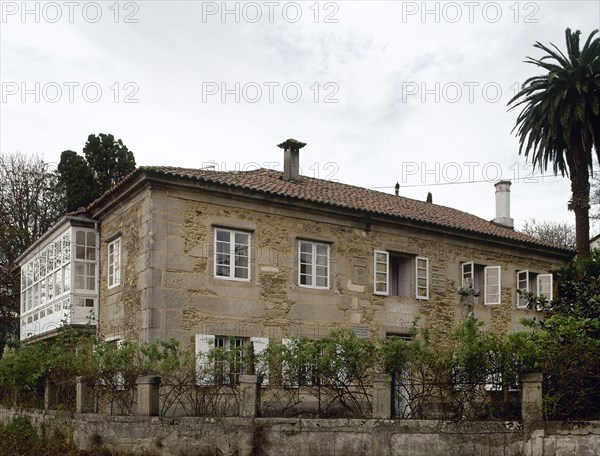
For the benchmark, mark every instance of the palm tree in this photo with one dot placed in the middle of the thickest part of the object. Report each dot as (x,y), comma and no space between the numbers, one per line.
(560,120)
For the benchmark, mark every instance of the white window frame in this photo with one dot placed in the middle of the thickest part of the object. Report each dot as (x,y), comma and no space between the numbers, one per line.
(85,261)
(313,265)
(522,276)
(421,291)
(467,275)
(232,256)
(486,279)
(534,283)
(422,288)
(114,263)
(386,273)
(260,344)
(550,285)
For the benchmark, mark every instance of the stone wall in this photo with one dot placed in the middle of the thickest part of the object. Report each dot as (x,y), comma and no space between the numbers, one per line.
(170,291)
(283,437)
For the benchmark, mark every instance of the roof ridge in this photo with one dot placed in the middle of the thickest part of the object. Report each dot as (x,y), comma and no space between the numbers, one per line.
(338,194)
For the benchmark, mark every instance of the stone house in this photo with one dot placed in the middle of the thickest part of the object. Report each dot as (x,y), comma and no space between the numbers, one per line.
(205,256)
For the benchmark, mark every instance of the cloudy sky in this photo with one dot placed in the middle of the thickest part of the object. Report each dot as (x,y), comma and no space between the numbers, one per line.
(382,92)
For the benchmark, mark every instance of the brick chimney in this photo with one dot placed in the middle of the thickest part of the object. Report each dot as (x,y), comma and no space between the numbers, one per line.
(291,159)
(503,205)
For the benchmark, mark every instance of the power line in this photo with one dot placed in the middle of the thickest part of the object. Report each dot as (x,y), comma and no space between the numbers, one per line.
(458,183)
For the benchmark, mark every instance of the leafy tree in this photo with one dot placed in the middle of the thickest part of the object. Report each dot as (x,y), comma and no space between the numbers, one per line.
(578,289)
(559,234)
(30,202)
(109,159)
(560,119)
(78,180)
(105,162)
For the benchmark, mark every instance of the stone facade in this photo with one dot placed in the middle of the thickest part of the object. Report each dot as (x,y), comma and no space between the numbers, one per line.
(169,289)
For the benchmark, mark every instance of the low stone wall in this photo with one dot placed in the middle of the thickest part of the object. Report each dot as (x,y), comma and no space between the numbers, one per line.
(315,437)
(287,437)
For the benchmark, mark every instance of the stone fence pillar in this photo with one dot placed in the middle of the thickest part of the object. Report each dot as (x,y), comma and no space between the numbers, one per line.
(531,397)
(50,394)
(148,395)
(84,396)
(250,395)
(382,396)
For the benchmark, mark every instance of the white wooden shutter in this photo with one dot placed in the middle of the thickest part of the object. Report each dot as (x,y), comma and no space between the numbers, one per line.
(523,286)
(422,278)
(544,286)
(381,273)
(260,344)
(204,343)
(492,285)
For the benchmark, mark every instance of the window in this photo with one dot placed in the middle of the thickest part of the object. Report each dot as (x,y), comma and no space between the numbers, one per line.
(232,249)
(487,279)
(492,285)
(422,278)
(381,272)
(114,263)
(401,275)
(523,287)
(313,267)
(221,359)
(85,261)
(540,284)
(544,286)
(84,302)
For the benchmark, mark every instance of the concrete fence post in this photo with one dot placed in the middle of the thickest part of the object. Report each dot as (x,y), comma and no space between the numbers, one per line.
(531,397)
(250,395)
(84,396)
(49,395)
(148,395)
(382,396)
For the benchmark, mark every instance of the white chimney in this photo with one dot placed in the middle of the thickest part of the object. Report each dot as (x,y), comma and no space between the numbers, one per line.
(503,204)
(291,159)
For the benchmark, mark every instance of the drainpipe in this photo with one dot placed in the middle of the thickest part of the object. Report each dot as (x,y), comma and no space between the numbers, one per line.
(97,306)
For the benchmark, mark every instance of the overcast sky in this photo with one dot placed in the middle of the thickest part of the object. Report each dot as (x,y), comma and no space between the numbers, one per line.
(382,92)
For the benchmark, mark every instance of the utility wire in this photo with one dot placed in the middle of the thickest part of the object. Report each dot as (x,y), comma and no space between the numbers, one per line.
(457,183)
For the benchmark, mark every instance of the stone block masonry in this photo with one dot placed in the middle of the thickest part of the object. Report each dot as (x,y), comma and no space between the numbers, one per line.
(321,437)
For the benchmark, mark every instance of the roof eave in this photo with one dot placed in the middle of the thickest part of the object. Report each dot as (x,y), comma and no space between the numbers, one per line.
(159,176)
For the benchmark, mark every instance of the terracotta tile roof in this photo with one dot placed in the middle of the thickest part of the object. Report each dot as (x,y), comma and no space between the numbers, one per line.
(336,194)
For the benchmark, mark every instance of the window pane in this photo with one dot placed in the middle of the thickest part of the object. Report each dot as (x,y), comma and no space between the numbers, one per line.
(322,249)
(66,248)
(91,239)
(241,261)
(241,238)
(58,252)
(241,273)
(380,287)
(305,247)
(223,235)
(321,271)
(321,281)
(57,283)
(305,269)
(67,277)
(223,271)
(305,279)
